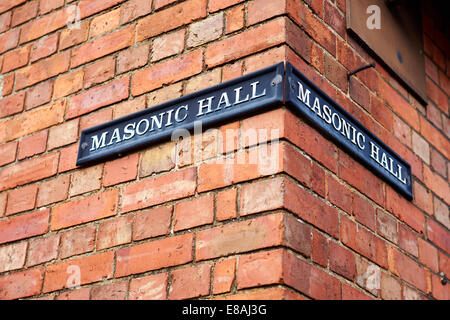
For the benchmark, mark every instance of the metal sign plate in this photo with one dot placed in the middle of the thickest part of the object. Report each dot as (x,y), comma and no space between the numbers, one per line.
(306,99)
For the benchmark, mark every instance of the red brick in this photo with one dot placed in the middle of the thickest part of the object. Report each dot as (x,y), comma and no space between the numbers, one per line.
(438,185)
(42,70)
(158,159)
(431,134)
(21,199)
(269,293)
(260,10)
(90,7)
(134,9)
(440,291)
(151,287)
(437,96)
(434,115)
(21,284)
(24,226)
(44,47)
(92,268)
(334,19)
(364,211)
(28,171)
(114,232)
(12,256)
(129,106)
(362,241)
(169,44)
(423,198)
(234,19)
(271,230)
(68,83)
(98,97)
(39,94)
(6,5)
(111,291)
(98,72)
(248,42)
(8,83)
(361,178)
(350,293)
(319,248)
(121,170)
(171,18)
(32,145)
(387,226)
(12,104)
(83,210)
(260,268)
(441,212)
(5,21)
(74,36)
(261,196)
(133,58)
(43,250)
(75,294)
(105,23)
(86,180)
(46,6)
(226,204)
(167,72)
(77,241)
(337,74)
(3,198)
(224,272)
(103,46)
(16,58)
(8,153)
(390,287)
(428,255)
(63,134)
(438,162)
(157,190)
(152,223)
(407,269)
(216,5)
(24,13)
(96,118)
(342,261)
(190,282)
(438,235)
(154,255)
(9,40)
(232,71)
(193,213)
(68,158)
(339,194)
(407,240)
(381,112)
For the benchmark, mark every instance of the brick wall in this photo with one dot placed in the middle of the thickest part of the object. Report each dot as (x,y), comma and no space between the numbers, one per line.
(175,220)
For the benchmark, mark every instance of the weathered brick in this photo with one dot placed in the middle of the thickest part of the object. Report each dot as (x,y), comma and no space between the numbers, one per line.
(77,241)
(133,58)
(28,171)
(342,260)
(438,162)
(158,159)
(90,7)
(8,153)
(8,83)
(190,282)
(21,284)
(438,235)
(24,226)
(441,212)
(9,40)
(248,42)
(114,232)
(407,240)
(431,134)
(319,252)
(134,9)
(203,81)
(165,94)
(121,170)
(12,104)
(261,196)
(167,72)
(152,223)
(103,46)
(226,204)
(193,213)
(437,96)
(337,74)
(83,210)
(98,97)
(129,106)
(428,255)
(260,10)
(350,293)
(43,250)
(12,256)
(96,118)
(24,13)
(86,180)
(223,276)
(168,45)
(3,199)
(49,5)
(339,194)
(64,274)
(334,18)
(63,134)
(73,36)
(269,293)
(39,94)
(21,199)
(68,83)
(423,198)
(151,287)
(364,211)
(205,31)
(154,255)
(42,70)
(171,18)
(75,294)
(216,5)
(5,6)
(68,158)
(390,288)
(5,21)
(31,145)
(438,185)
(234,19)
(44,47)
(164,188)
(105,22)
(111,291)
(16,58)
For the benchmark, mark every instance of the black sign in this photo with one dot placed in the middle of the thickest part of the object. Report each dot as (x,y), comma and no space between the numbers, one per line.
(247,95)
(332,120)
(250,94)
